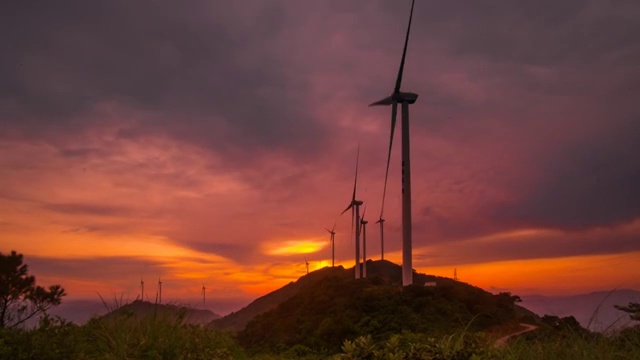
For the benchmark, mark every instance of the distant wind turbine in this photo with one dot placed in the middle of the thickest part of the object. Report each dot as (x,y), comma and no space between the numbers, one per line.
(141,288)
(204,292)
(333,234)
(363,224)
(306,263)
(405,99)
(354,205)
(159,291)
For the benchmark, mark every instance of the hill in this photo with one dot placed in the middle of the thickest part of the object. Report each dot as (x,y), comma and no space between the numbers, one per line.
(325,307)
(238,320)
(142,309)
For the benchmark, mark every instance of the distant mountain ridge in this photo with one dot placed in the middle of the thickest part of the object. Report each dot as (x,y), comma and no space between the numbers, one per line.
(594,310)
(144,308)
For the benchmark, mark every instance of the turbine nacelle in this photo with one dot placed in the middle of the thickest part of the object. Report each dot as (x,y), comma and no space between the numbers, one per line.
(399,97)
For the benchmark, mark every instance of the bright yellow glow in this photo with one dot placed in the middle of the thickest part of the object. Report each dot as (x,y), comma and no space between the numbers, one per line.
(292,247)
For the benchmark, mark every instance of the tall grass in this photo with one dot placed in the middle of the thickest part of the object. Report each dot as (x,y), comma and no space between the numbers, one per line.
(623,346)
(120,336)
(547,345)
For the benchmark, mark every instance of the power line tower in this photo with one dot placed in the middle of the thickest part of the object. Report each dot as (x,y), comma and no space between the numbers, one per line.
(455,274)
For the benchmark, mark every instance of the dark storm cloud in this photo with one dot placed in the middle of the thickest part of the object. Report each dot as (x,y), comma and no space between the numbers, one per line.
(200,73)
(545,32)
(587,185)
(539,246)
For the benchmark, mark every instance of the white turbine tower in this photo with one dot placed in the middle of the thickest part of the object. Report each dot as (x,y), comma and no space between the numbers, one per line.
(381,222)
(354,205)
(333,248)
(363,224)
(405,99)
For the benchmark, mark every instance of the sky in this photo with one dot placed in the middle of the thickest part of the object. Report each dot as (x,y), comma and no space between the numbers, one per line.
(211,142)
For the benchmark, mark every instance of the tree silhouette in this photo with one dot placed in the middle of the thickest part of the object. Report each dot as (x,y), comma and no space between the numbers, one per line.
(633,309)
(20,298)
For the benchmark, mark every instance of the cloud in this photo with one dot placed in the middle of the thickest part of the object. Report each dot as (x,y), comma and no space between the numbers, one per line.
(196,75)
(222,127)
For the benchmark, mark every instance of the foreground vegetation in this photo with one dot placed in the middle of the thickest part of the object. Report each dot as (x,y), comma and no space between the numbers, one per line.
(160,337)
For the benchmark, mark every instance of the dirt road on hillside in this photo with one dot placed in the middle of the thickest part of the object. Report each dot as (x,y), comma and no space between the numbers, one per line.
(503,340)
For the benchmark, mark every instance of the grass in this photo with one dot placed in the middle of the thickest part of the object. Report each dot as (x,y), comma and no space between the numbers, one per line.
(625,345)
(123,336)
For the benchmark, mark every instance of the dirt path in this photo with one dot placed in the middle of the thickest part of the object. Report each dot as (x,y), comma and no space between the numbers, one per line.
(503,340)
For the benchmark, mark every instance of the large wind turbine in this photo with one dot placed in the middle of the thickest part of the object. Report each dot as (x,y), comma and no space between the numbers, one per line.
(404,99)
(333,237)
(354,205)
(364,223)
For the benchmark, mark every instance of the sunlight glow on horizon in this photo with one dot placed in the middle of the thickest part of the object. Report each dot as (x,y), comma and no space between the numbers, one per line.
(293,247)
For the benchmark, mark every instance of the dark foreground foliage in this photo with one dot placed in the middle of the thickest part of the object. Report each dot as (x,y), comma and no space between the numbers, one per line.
(122,337)
(130,337)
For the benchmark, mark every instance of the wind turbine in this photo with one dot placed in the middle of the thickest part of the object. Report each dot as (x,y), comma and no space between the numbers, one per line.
(354,205)
(142,288)
(333,235)
(159,291)
(404,99)
(363,224)
(381,222)
(306,263)
(204,291)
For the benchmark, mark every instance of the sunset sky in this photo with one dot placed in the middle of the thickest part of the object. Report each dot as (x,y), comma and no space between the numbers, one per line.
(213,141)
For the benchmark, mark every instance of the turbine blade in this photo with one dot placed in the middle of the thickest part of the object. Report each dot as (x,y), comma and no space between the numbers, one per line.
(394,113)
(347,209)
(404,52)
(334,226)
(384,102)
(328,230)
(363,212)
(355,182)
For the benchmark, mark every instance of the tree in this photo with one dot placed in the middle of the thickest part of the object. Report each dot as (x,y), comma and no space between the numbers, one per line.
(633,309)
(20,298)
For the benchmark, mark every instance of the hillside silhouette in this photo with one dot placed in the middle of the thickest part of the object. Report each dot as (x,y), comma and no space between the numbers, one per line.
(141,309)
(327,306)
